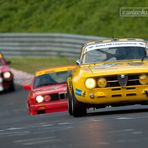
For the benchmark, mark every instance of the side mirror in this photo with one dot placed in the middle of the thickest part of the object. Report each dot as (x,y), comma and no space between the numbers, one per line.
(78,62)
(27,87)
(8,62)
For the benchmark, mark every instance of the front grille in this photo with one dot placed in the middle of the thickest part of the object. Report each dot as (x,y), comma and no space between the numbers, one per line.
(62,95)
(131,94)
(121,95)
(54,97)
(117,95)
(58,96)
(112,81)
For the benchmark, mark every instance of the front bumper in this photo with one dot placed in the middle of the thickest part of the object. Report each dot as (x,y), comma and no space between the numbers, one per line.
(113,95)
(5,84)
(53,106)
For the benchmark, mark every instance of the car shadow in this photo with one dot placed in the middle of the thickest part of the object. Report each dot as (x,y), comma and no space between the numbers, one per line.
(118,111)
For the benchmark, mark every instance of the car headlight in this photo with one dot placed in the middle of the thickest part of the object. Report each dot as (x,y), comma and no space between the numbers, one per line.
(39,99)
(143,79)
(102,82)
(6,75)
(90,83)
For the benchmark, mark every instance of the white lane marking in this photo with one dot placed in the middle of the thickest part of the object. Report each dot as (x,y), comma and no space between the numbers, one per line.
(27,127)
(33,141)
(64,123)
(124,118)
(40,142)
(125,131)
(14,128)
(134,140)
(104,143)
(46,125)
(137,132)
(131,118)
(14,133)
(26,130)
(97,120)
(122,130)
(19,133)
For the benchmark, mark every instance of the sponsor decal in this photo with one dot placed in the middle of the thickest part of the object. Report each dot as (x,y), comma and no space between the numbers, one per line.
(78,92)
(114,45)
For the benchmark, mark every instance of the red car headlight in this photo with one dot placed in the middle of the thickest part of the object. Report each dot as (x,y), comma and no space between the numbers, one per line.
(7,75)
(39,99)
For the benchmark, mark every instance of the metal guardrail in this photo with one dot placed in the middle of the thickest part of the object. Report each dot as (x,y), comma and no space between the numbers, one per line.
(42,44)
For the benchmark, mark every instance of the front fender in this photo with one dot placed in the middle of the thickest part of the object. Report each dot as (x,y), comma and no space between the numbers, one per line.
(69,85)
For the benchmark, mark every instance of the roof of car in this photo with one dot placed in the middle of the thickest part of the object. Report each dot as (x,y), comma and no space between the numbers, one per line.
(55,69)
(115,39)
(107,41)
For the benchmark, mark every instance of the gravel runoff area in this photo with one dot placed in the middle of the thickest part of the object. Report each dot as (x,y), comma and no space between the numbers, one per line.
(21,77)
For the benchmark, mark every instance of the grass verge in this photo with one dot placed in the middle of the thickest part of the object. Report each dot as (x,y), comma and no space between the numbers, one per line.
(32,64)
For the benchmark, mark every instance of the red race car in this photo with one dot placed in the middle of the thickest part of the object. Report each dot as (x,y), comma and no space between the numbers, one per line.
(6,76)
(48,90)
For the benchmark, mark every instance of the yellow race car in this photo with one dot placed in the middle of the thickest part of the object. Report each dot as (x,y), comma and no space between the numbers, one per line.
(110,73)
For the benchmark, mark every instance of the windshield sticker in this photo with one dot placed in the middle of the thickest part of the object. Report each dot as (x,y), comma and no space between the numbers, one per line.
(114,45)
(78,92)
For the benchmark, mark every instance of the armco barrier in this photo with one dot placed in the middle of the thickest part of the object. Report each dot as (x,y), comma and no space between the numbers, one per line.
(42,44)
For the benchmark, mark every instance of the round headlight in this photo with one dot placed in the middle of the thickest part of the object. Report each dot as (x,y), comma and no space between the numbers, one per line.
(102,82)
(143,79)
(90,83)
(7,75)
(39,99)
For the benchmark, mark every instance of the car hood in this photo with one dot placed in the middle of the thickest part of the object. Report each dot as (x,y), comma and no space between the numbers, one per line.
(117,68)
(4,68)
(50,89)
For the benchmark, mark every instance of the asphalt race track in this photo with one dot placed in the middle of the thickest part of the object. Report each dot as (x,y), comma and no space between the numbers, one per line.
(124,127)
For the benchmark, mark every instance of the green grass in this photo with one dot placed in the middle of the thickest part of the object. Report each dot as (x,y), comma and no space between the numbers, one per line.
(31,65)
(86,17)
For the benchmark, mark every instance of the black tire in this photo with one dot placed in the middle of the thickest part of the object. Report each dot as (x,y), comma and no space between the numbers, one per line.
(12,88)
(78,108)
(69,102)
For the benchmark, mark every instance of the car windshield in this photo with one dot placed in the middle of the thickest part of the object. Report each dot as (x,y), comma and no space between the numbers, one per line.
(51,78)
(114,54)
